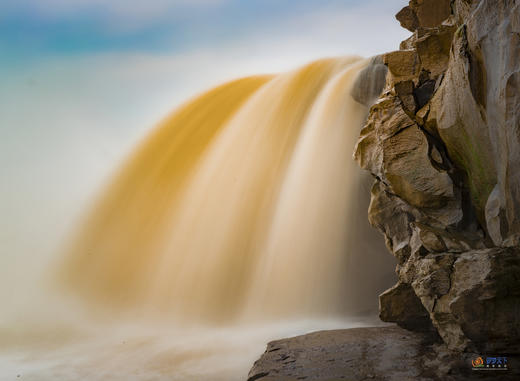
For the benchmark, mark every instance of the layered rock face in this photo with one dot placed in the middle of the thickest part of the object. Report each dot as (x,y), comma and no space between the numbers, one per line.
(443,142)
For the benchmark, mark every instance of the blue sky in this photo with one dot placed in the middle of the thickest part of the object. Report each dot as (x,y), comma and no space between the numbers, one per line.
(38,28)
(83,80)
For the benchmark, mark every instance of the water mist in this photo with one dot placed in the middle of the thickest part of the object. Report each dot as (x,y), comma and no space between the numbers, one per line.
(240,218)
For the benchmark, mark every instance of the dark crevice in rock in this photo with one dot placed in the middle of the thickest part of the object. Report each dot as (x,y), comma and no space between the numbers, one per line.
(424,92)
(477,78)
(444,164)
(258,376)
(469,222)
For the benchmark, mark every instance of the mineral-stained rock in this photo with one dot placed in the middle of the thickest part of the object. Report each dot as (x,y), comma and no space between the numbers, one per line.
(462,127)
(476,110)
(492,213)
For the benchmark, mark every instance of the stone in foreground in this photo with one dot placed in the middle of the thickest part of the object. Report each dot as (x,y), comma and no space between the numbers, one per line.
(380,353)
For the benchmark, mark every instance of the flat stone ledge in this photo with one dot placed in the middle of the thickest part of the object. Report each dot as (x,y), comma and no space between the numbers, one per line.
(379,353)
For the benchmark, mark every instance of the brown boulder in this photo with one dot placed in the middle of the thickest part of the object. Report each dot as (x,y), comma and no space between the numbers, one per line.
(424,13)
(410,173)
(433,47)
(408,19)
(402,64)
(473,298)
(401,305)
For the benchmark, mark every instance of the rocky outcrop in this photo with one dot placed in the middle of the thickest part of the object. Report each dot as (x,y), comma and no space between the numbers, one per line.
(443,143)
(380,353)
(424,13)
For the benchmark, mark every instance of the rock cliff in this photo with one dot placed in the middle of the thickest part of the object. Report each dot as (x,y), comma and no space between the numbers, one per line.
(443,143)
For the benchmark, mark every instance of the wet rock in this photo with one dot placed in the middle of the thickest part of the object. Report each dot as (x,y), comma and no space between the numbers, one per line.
(380,353)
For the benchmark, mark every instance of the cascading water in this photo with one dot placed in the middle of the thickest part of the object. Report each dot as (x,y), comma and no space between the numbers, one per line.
(240,202)
(242,207)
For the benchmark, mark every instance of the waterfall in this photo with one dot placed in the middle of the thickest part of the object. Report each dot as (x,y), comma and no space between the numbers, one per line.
(240,218)
(242,204)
